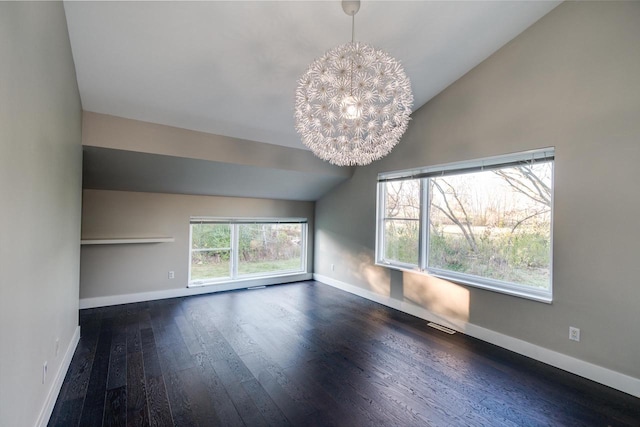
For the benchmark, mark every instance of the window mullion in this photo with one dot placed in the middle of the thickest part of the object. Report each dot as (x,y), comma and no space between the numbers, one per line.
(423,253)
(304,233)
(383,209)
(190,250)
(382,202)
(234,250)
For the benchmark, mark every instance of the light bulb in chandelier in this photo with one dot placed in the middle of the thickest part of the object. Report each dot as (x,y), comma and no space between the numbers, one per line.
(351,108)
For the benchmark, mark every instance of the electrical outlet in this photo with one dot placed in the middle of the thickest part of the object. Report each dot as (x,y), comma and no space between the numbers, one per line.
(44,372)
(172,275)
(574,333)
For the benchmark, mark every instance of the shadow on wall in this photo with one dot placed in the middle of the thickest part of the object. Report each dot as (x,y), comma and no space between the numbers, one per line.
(441,297)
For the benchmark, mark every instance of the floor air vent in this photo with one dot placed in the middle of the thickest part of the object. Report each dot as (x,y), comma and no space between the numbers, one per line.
(441,328)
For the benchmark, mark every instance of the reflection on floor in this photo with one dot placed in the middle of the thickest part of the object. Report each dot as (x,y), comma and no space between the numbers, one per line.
(308,354)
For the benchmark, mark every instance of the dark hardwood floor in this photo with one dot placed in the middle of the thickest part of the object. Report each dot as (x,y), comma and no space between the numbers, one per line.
(306,354)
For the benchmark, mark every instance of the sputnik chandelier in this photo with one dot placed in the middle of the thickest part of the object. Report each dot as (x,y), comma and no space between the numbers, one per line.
(353,104)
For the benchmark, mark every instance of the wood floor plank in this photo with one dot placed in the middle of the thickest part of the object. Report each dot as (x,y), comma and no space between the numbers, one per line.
(332,407)
(133,340)
(309,354)
(344,381)
(284,390)
(278,343)
(380,385)
(269,410)
(159,410)
(295,413)
(93,407)
(209,337)
(182,409)
(196,397)
(416,383)
(66,413)
(175,358)
(78,375)
(144,319)
(237,338)
(243,403)
(115,408)
(150,354)
(118,361)
(484,380)
(220,400)
(137,411)
(188,334)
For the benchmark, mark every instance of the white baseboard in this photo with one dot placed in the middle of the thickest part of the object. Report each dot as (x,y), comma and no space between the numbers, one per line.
(56,385)
(579,367)
(183,292)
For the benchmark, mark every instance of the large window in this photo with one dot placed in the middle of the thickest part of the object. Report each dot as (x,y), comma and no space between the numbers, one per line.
(224,250)
(486,223)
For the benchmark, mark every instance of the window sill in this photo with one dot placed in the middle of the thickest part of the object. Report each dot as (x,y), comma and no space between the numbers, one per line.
(506,288)
(127,240)
(249,279)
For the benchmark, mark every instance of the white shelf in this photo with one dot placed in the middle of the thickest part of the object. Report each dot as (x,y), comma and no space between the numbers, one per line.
(127,241)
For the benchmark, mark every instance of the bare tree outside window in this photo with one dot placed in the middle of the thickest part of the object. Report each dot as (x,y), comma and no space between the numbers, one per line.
(402,221)
(494,224)
(481,222)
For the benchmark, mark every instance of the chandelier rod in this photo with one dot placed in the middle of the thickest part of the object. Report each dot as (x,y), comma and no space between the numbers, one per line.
(351,7)
(353,27)
(353,36)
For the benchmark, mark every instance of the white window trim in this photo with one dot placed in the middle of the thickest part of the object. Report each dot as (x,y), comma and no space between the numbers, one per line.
(500,286)
(234,277)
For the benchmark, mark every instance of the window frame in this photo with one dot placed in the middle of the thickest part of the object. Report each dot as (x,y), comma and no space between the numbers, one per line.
(458,168)
(234,224)
(381,226)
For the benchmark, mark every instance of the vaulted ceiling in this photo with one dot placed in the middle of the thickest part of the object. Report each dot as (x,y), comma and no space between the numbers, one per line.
(230,67)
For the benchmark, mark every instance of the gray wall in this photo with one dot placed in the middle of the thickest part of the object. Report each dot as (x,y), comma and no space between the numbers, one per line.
(130,155)
(40,170)
(572,80)
(105,131)
(108,270)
